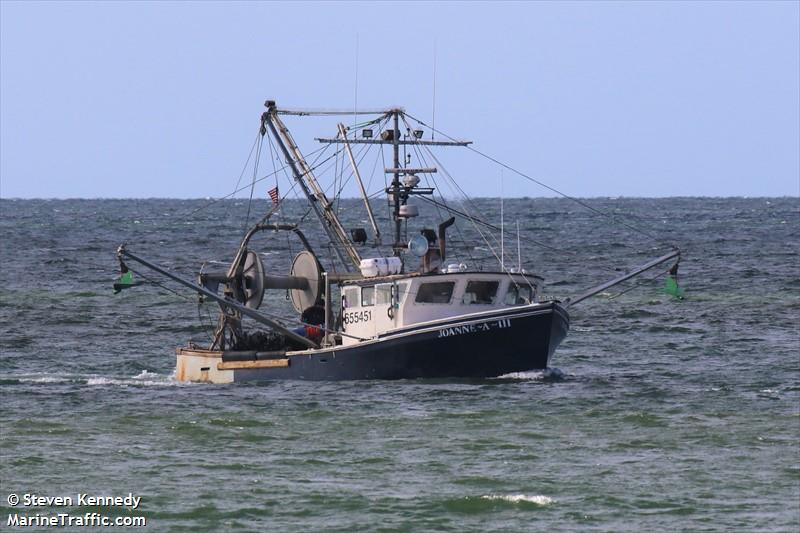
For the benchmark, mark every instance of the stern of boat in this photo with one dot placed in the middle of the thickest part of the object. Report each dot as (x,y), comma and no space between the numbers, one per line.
(199,365)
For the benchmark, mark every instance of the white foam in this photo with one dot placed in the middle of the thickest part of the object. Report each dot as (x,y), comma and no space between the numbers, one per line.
(101,381)
(537,499)
(535,375)
(144,378)
(45,379)
(145,374)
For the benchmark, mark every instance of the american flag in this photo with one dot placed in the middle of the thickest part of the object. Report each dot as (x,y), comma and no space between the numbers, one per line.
(273,193)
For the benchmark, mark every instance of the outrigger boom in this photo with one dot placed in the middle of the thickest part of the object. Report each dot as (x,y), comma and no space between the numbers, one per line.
(616,281)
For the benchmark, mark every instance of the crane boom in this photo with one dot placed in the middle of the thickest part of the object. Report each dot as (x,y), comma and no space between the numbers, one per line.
(322,207)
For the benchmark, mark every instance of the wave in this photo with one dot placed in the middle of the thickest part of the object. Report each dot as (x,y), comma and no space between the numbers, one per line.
(493,502)
(536,499)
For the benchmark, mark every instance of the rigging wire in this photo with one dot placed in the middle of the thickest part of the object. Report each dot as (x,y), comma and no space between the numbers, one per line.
(247,162)
(424,161)
(372,173)
(553,189)
(337,175)
(209,324)
(447,175)
(154,282)
(458,188)
(639,284)
(476,209)
(273,154)
(227,196)
(454,183)
(492,226)
(362,153)
(253,184)
(475,225)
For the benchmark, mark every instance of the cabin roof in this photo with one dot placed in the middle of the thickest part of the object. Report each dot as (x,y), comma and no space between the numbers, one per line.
(433,275)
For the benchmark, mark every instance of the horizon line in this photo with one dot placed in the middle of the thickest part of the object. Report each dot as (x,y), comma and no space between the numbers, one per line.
(207,198)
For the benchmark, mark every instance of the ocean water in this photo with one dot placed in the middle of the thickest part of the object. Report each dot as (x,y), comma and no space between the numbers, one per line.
(657,415)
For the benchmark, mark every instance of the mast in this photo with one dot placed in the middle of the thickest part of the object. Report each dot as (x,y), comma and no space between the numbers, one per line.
(396,182)
(308,183)
(397,191)
(357,174)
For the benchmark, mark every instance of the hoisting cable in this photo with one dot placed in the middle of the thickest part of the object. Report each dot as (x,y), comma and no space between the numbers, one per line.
(273,156)
(372,174)
(447,175)
(253,184)
(553,189)
(458,189)
(154,282)
(262,178)
(489,225)
(474,224)
(362,153)
(247,161)
(639,284)
(477,220)
(424,162)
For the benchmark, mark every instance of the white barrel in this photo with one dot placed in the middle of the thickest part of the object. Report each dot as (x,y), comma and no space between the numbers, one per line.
(394,265)
(380,266)
(369,268)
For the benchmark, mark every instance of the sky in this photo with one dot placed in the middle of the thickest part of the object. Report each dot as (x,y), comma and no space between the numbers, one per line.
(162,99)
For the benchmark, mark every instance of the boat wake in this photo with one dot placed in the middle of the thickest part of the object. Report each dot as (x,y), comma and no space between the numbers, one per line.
(548,374)
(143,379)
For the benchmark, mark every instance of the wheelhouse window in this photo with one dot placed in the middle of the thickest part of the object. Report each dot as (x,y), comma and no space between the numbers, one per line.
(351,297)
(383,294)
(402,290)
(480,292)
(519,294)
(435,293)
(367,296)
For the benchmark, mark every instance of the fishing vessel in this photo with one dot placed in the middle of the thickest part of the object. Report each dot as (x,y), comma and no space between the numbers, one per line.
(369,310)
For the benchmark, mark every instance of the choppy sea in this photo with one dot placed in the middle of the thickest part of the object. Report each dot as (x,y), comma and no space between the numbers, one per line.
(658,414)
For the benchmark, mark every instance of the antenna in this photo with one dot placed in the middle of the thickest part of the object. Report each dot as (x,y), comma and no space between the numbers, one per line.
(355,103)
(433,118)
(519,254)
(502,243)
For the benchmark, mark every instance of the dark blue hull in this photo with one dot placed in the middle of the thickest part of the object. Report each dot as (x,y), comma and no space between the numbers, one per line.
(481,346)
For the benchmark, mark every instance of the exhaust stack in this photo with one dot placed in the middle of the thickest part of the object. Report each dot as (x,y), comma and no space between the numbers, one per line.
(442,231)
